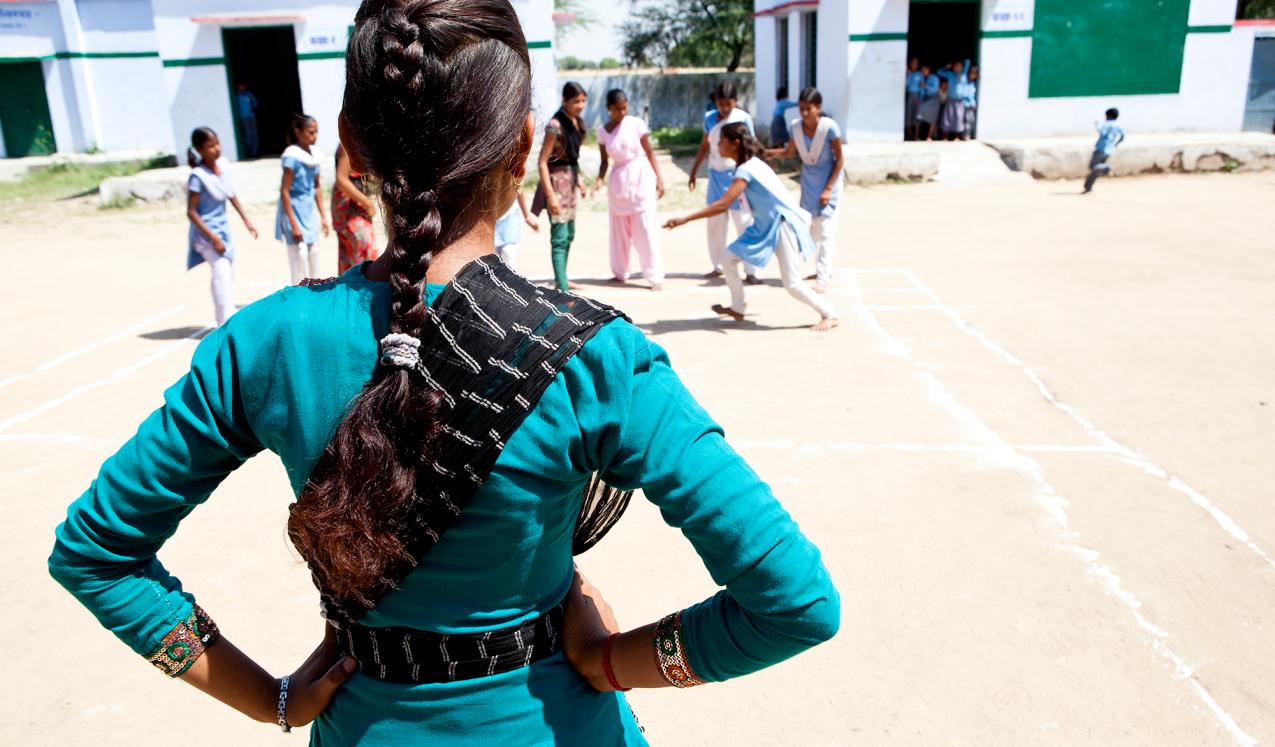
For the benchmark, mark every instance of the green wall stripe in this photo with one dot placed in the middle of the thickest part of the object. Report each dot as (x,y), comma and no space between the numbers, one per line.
(28,58)
(320,55)
(882,36)
(195,62)
(1221,29)
(540,45)
(1015,34)
(80,56)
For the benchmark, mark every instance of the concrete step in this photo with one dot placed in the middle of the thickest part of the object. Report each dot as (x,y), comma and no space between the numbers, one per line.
(972,163)
(1068,157)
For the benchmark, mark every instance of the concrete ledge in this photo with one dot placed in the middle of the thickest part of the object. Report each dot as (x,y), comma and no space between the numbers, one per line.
(873,163)
(154,185)
(13,169)
(1068,158)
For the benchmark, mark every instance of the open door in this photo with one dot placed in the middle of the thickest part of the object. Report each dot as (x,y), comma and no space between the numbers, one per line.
(264,60)
(24,110)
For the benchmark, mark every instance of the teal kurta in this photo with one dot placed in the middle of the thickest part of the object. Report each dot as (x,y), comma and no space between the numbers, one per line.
(278,376)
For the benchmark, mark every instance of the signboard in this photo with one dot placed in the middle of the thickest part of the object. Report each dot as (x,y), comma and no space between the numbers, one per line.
(1008,15)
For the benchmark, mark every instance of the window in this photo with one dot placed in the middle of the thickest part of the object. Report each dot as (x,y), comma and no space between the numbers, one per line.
(1094,48)
(809,49)
(781,51)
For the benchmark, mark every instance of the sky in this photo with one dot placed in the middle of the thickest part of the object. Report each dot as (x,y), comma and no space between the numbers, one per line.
(602,40)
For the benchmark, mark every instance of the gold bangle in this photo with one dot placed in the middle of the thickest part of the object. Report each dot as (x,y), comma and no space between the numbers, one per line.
(669,653)
(185,643)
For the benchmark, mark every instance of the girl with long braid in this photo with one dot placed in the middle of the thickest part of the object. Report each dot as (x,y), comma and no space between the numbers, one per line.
(780,227)
(445,477)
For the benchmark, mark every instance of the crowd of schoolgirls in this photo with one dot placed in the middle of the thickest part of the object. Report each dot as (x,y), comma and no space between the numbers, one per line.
(940,103)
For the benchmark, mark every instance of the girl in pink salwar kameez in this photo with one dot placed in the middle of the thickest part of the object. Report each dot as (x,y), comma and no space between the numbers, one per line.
(632,190)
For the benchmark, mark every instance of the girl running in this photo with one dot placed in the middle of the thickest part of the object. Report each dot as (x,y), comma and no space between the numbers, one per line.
(300,214)
(209,188)
(720,170)
(560,186)
(509,230)
(817,139)
(352,213)
(634,187)
(778,227)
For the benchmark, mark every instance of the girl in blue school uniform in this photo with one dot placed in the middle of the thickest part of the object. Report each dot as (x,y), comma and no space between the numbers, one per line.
(817,140)
(912,98)
(208,190)
(720,172)
(300,215)
(927,113)
(780,227)
(430,637)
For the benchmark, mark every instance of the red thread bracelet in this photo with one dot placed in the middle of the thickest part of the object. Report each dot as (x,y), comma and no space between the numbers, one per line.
(606,664)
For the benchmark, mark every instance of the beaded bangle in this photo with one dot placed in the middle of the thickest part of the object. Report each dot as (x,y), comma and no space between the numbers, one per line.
(185,643)
(283,705)
(669,655)
(606,664)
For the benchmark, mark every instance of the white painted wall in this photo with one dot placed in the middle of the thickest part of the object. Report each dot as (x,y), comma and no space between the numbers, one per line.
(876,69)
(29,29)
(766,64)
(833,75)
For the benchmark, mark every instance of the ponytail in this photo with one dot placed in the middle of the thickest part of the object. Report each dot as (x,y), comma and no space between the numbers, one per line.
(199,137)
(749,146)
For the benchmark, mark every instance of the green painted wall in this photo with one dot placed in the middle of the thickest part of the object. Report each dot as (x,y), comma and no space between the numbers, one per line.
(1107,47)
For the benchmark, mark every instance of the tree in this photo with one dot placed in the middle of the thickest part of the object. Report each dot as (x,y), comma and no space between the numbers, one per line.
(581,18)
(608,63)
(1256,9)
(708,33)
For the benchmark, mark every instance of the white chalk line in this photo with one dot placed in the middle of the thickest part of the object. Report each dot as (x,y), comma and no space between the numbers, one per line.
(117,376)
(127,331)
(53,438)
(1000,452)
(1127,454)
(906,447)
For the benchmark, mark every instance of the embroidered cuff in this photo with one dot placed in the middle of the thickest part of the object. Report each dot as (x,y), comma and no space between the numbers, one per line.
(185,643)
(670,655)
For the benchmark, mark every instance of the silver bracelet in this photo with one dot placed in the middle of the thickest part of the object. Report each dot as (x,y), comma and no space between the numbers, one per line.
(283,705)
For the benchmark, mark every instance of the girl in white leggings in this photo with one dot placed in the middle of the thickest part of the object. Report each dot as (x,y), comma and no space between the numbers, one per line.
(300,215)
(209,189)
(779,228)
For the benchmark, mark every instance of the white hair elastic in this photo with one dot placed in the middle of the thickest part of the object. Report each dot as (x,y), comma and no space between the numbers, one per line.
(400,350)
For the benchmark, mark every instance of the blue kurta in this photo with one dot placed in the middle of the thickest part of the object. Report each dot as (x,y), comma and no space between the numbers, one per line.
(509,227)
(211,209)
(721,170)
(305,172)
(773,206)
(815,177)
(279,375)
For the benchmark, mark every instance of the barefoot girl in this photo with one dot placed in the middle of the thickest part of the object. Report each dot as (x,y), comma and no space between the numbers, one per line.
(209,188)
(509,230)
(719,174)
(379,392)
(560,186)
(817,139)
(300,212)
(779,227)
(352,213)
(632,190)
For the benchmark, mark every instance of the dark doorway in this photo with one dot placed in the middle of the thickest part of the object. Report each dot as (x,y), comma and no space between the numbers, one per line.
(265,60)
(943,31)
(24,110)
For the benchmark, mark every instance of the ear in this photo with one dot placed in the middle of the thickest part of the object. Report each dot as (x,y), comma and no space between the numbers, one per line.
(343,132)
(522,151)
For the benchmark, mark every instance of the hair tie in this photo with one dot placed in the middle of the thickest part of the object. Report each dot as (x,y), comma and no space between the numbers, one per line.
(400,350)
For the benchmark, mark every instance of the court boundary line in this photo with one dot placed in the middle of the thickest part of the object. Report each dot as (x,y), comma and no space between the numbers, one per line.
(1055,505)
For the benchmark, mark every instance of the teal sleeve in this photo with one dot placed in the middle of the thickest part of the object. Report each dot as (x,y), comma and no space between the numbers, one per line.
(104,552)
(779,599)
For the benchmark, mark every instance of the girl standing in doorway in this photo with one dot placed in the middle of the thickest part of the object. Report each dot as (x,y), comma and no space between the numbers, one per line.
(927,115)
(300,214)
(817,139)
(352,213)
(209,188)
(634,187)
(560,186)
(912,98)
(720,172)
(779,227)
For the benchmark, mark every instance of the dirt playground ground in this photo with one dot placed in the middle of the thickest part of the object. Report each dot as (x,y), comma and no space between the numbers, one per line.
(1037,456)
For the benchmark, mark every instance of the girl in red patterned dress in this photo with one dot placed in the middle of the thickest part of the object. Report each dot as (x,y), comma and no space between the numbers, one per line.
(352,213)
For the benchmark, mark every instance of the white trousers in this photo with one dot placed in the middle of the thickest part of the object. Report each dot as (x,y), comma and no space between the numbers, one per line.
(223,281)
(824,231)
(637,231)
(716,226)
(788,255)
(509,255)
(303,261)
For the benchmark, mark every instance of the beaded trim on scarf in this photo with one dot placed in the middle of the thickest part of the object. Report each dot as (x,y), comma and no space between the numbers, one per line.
(185,643)
(669,654)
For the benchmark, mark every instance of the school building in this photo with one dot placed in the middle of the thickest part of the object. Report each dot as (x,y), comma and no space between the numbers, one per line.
(1047,67)
(111,75)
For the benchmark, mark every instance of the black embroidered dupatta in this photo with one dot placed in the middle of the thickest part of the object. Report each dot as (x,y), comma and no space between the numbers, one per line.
(491,344)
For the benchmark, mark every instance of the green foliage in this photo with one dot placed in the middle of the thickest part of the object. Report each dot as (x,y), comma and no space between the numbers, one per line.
(571,62)
(1256,9)
(691,33)
(608,63)
(663,137)
(63,180)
